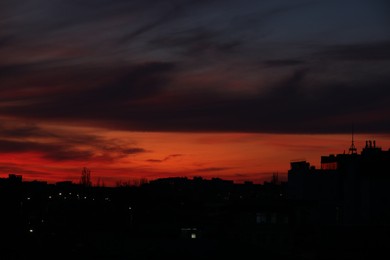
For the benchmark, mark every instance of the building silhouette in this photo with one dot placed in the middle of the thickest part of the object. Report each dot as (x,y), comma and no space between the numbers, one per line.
(341,208)
(348,189)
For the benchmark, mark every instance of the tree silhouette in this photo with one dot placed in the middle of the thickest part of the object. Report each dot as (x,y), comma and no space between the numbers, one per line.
(85,179)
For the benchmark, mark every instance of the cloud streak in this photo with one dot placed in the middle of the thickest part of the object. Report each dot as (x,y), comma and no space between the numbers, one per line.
(152,66)
(141,100)
(171,156)
(62,145)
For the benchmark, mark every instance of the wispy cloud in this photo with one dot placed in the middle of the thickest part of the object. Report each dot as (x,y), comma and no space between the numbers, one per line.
(193,65)
(164,159)
(212,169)
(62,145)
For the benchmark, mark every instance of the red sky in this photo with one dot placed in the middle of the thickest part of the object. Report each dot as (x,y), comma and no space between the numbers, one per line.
(145,89)
(124,156)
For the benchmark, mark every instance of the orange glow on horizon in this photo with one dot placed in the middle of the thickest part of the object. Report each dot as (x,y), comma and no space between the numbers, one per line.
(150,155)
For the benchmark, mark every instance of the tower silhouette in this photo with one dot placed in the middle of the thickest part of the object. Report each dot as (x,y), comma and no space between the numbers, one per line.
(352,148)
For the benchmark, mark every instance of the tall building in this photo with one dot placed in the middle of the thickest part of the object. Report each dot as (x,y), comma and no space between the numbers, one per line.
(348,189)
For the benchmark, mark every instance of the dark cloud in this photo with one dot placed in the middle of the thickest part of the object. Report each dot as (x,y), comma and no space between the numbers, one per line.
(288,107)
(134,150)
(140,101)
(190,66)
(62,145)
(21,131)
(51,151)
(138,82)
(13,70)
(282,63)
(171,14)
(130,84)
(6,40)
(154,160)
(212,169)
(165,159)
(61,153)
(173,155)
(198,41)
(377,51)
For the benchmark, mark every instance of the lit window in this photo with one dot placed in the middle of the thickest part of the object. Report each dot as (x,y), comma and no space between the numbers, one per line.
(193,235)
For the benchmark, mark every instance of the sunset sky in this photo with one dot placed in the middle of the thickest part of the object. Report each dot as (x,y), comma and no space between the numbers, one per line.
(147,89)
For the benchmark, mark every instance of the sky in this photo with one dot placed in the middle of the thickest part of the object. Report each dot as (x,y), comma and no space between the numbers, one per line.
(231,89)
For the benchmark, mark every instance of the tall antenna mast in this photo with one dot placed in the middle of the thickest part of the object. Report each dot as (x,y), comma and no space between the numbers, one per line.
(352,148)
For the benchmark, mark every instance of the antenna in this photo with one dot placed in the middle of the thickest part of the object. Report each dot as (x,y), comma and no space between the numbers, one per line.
(352,148)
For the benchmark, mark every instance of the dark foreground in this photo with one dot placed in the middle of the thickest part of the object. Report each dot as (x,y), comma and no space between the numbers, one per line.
(266,243)
(178,219)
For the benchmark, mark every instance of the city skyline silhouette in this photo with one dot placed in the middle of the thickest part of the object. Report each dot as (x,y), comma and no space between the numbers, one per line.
(190,129)
(340,208)
(150,89)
